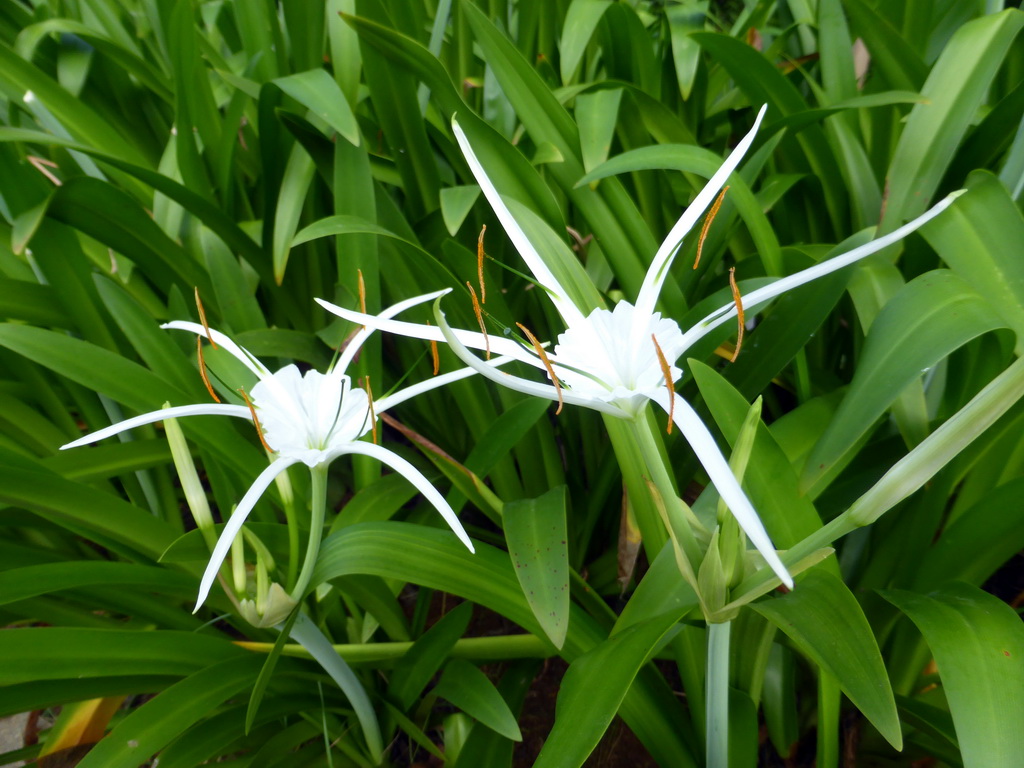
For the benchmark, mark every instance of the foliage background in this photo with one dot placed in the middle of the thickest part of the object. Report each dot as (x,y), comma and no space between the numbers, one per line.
(265,153)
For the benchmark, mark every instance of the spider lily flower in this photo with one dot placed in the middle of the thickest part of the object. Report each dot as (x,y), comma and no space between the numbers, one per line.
(615,361)
(310,419)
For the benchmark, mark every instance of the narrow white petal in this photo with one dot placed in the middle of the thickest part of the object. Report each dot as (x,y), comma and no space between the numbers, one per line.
(390,401)
(234,525)
(243,355)
(211,409)
(349,353)
(704,446)
(547,391)
(761,295)
(658,271)
(569,311)
(471,339)
(414,476)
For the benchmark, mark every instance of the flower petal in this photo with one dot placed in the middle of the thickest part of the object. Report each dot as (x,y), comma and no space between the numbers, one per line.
(569,311)
(704,446)
(662,261)
(211,409)
(234,525)
(247,358)
(471,339)
(414,476)
(525,386)
(782,285)
(390,401)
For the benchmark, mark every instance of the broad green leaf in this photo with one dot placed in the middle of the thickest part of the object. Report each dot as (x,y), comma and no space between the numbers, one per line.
(149,728)
(418,665)
(978,642)
(827,624)
(955,89)
(688,16)
(21,583)
(30,302)
(295,185)
(535,530)
(465,686)
(593,690)
(581,20)
(932,316)
(318,92)
(972,236)
(896,60)
(456,203)
(597,113)
(54,653)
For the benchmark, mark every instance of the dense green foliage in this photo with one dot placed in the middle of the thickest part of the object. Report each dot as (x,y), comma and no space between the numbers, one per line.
(268,154)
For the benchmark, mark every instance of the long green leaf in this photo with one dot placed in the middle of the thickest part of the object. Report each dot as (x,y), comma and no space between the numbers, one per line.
(978,642)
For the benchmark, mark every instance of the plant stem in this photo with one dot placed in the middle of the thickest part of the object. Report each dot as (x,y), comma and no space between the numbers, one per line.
(498,648)
(718,695)
(318,502)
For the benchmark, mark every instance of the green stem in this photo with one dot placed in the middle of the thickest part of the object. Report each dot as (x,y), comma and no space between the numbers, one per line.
(718,695)
(318,503)
(653,531)
(828,720)
(471,648)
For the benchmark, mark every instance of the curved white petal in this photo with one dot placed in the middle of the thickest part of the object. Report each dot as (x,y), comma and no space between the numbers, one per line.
(525,386)
(247,358)
(569,311)
(349,353)
(498,344)
(234,525)
(761,295)
(390,401)
(414,476)
(704,446)
(211,409)
(662,261)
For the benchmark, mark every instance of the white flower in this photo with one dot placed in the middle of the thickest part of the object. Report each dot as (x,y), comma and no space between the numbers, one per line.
(609,360)
(310,418)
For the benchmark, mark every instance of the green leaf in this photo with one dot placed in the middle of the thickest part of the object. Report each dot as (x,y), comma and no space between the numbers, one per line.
(827,624)
(318,92)
(955,89)
(465,686)
(149,728)
(456,203)
(581,20)
(978,642)
(930,317)
(54,653)
(593,689)
(22,583)
(535,530)
(971,238)
(419,664)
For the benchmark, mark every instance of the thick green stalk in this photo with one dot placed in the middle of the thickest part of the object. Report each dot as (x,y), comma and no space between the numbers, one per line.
(318,503)
(718,695)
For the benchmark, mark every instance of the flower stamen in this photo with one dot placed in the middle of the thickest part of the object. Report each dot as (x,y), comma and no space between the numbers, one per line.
(547,364)
(202,319)
(202,369)
(433,354)
(480,319)
(738,300)
(362,293)
(666,371)
(373,417)
(707,224)
(255,419)
(480,264)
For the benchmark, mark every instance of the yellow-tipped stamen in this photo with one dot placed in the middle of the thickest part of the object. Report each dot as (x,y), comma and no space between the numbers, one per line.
(255,419)
(739,313)
(433,354)
(480,319)
(202,319)
(707,224)
(373,417)
(480,264)
(362,292)
(666,371)
(202,369)
(547,364)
